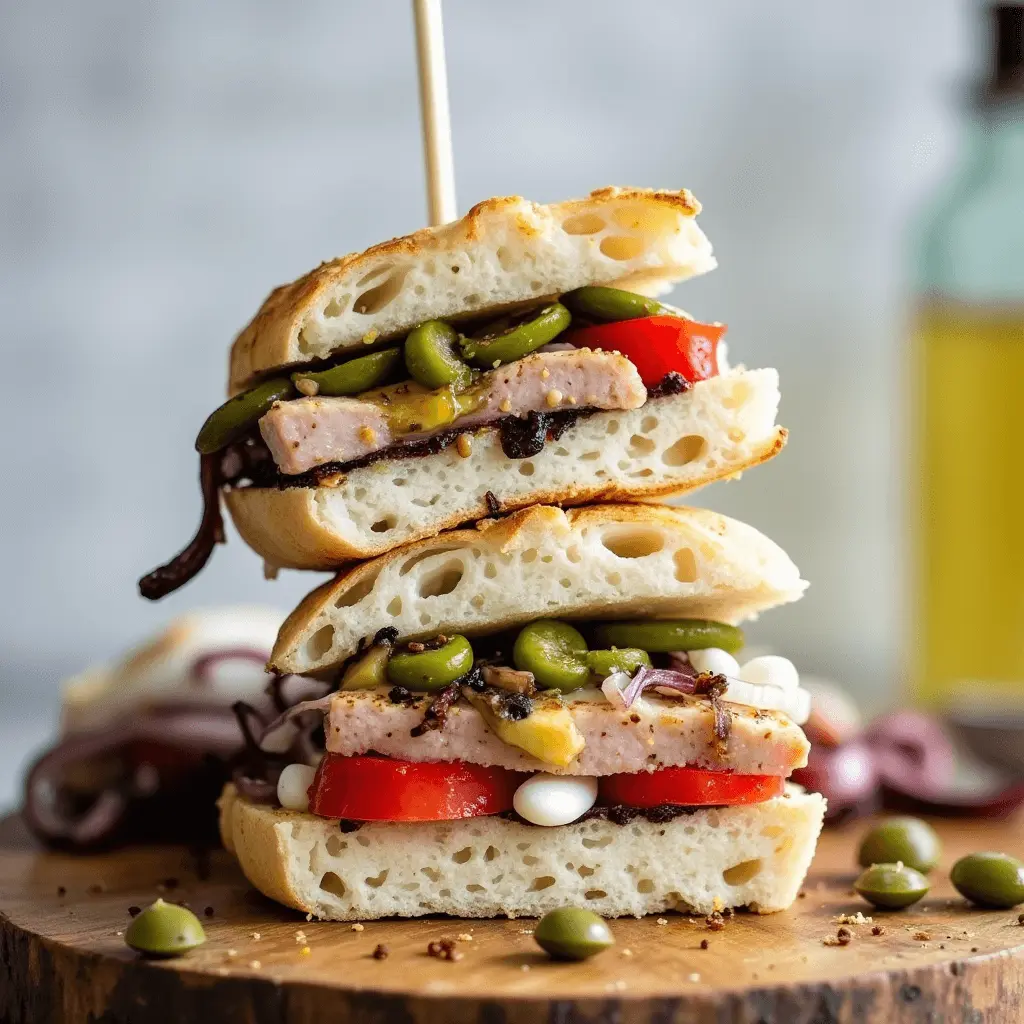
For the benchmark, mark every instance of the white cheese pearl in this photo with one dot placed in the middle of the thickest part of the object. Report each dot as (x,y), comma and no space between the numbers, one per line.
(292,787)
(771,669)
(545,799)
(714,660)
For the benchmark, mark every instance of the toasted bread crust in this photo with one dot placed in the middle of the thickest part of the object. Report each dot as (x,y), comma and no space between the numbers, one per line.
(302,861)
(727,421)
(285,528)
(395,588)
(273,338)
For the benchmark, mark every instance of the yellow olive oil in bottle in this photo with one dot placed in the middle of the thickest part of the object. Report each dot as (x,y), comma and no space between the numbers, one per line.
(967,641)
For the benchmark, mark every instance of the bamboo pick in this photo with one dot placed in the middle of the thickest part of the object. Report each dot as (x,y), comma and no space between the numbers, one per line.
(437,126)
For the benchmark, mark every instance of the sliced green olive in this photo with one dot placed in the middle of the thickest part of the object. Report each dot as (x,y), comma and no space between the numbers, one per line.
(555,653)
(165,929)
(507,340)
(659,636)
(368,671)
(431,669)
(431,358)
(990,879)
(626,659)
(356,375)
(610,304)
(237,415)
(892,886)
(572,933)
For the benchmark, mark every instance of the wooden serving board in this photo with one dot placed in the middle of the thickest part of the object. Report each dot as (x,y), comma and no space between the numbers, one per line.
(62,956)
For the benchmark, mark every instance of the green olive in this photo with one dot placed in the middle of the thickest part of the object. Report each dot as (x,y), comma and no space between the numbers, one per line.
(624,659)
(659,636)
(231,420)
(165,929)
(429,670)
(910,841)
(993,880)
(507,340)
(555,653)
(892,886)
(356,375)
(571,933)
(368,671)
(431,359)
(597,303)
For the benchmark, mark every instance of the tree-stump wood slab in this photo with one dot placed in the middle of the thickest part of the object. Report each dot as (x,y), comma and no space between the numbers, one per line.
(63,958)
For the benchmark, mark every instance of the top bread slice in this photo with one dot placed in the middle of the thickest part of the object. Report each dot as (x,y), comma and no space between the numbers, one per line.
(599,561)
(505,252)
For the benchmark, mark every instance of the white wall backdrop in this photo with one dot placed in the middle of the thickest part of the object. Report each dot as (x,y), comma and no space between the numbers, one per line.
(163,165)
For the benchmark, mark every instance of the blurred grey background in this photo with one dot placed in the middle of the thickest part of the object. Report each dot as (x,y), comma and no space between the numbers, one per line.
(164,165)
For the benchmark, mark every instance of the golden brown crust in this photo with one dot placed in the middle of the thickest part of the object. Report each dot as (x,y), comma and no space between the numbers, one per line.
(268,341)
(259,841)
(538,524)
(285,526)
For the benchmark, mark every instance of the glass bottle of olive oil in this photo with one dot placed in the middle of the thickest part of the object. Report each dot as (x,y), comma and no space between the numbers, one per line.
(968,424)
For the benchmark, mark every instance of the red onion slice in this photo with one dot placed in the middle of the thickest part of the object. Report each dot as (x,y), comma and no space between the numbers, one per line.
(662,678)
(912,753)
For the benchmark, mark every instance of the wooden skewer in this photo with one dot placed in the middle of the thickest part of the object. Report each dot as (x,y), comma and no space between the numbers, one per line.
(437,126)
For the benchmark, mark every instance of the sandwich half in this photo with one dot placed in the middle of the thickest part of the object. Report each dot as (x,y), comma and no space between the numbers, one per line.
(511,358)
(546,709)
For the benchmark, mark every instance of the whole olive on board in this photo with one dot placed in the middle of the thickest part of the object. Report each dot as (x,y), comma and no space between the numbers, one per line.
(989,879)
(572,933)
(165,929)
(908,840)
(892,886)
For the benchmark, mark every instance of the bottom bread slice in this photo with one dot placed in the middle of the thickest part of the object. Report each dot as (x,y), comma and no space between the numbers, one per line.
(751,856)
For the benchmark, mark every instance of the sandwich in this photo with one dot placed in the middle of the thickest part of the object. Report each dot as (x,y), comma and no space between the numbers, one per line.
(146,744)
(515,357)
(546,708)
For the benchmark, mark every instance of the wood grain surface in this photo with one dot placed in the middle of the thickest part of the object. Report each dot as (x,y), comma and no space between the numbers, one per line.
(62,955)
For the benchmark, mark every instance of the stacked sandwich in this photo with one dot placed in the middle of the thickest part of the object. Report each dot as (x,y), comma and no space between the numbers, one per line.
(524,679)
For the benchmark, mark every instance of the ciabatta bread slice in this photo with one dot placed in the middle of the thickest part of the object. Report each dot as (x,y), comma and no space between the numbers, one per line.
(671,445)
(505,252)
(751,856)
(599,561)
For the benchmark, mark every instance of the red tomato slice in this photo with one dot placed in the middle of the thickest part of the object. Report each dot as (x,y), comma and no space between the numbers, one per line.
(690,787)
(657,345)
(386,789)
